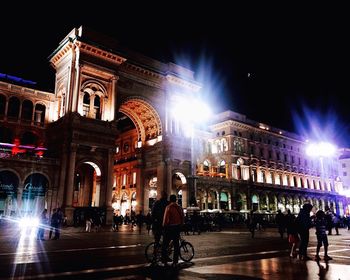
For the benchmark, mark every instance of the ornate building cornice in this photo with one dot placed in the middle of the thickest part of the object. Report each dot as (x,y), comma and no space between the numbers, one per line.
(193,86)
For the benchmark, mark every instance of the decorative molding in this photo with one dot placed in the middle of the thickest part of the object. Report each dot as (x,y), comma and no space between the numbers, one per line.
(183,83)
(105,55)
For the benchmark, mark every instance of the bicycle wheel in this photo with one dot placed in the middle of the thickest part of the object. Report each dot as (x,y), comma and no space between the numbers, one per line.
(186,251)
(153,252)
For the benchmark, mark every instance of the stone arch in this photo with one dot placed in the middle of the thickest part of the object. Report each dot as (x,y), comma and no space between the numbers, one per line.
(9,183)
(37,172)
(34,196)
(179,187)
(27,110)
(93,94)
(13,108)
(40,112)
(225,199)
(87,183)
(144,116)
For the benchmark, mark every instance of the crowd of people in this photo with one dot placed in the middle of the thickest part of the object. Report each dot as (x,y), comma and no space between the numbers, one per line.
(297,229)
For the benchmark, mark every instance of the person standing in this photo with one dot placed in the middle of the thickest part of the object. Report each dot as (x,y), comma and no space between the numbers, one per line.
(56,221)
(321,224)
(280,221)
(42,224)
(157,216)
(304,224)
(292,232)
(172,222)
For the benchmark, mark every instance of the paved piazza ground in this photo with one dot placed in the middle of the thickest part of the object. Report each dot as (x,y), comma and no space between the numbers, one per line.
(229,254)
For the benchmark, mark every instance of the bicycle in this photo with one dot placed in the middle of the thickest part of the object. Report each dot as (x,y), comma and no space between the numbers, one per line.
(153,251)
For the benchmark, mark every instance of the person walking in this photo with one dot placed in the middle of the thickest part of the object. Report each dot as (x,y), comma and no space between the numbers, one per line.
(304,224)
(172,222)
(321,224)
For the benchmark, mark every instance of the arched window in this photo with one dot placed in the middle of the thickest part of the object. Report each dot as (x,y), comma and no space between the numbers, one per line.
(13,109)
(40,113)
(86,104)
(27,110)
(206,165)
(222,167)
(97,107)
(295,181)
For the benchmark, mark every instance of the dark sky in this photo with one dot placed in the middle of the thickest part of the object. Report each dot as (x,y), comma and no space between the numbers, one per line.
(282,65)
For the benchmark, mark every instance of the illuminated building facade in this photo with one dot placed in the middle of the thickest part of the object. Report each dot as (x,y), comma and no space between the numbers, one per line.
(246,165)
(107,139)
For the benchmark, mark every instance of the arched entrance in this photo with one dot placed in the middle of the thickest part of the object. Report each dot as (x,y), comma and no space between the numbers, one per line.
(34,191)
(87,185)
(179,187)
(152,193)
(225,200)
(140,126)
(8,192)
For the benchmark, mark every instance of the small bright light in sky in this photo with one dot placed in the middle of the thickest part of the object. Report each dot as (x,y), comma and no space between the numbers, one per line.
(322,149)
(249,75)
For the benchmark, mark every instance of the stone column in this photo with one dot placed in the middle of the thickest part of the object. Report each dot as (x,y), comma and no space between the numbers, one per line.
(70,184)
(49,202)
(76,88)
(113,97)
(142,203)
(62,178)
(161,180)
(169,178)
(109,186)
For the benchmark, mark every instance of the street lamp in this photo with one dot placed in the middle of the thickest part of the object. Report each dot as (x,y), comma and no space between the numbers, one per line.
(321,150)
(190,112)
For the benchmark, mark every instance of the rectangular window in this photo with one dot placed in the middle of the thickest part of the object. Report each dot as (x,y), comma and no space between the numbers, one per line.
(285,157)
(344,165)
(278,155)
(345,174)
(270,154)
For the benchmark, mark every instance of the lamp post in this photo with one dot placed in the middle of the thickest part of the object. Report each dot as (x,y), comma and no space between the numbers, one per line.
(190,112)
(321,150)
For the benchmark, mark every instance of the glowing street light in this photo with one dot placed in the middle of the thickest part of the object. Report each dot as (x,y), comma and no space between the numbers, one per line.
(322,149)
(189,112)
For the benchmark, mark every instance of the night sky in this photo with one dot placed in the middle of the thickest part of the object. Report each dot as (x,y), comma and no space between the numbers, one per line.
(285,66)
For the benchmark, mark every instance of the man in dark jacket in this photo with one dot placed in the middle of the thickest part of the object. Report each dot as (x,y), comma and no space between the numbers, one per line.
(157,216)
(304,224)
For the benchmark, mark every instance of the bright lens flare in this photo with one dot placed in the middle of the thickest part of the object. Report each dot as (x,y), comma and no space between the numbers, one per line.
(322,149)
(191,110)
(29,226)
